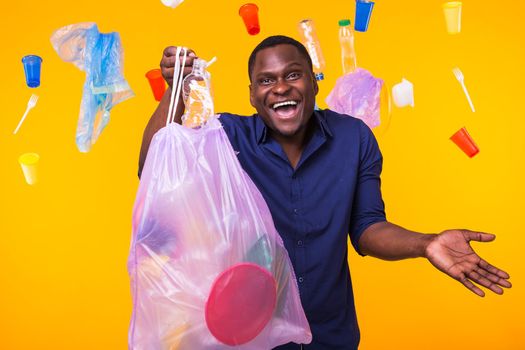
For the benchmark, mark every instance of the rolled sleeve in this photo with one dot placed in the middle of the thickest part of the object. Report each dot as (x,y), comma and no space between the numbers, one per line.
(368,206)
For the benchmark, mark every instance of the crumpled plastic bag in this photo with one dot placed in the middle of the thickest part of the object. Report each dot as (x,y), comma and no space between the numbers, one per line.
(208,269)
(172,3)
(357,94)
(100,56)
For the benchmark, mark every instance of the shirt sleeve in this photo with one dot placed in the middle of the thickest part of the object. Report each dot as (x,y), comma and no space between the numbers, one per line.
(368,206)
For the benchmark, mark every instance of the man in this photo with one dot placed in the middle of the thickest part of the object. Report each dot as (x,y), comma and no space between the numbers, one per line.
(319,173)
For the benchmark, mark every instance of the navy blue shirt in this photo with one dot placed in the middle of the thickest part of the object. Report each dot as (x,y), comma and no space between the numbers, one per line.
(333,191)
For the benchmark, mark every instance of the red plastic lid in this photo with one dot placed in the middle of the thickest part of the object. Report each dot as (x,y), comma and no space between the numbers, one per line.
(241,303)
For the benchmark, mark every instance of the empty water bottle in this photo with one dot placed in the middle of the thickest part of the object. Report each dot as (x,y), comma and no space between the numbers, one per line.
(346,39)
(311,42)
(196,93)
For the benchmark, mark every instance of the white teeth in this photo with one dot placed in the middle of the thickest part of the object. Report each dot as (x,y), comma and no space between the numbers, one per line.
(285,103)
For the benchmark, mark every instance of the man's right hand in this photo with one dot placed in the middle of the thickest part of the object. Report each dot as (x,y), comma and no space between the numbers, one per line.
(169,59)
(158,119)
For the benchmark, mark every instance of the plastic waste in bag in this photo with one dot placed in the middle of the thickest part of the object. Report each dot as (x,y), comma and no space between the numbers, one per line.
(357,94)
(100,56)
(208,269)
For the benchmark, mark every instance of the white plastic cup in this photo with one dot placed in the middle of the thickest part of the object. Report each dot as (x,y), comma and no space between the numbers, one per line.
(29,164)
(403,94)
(452,11)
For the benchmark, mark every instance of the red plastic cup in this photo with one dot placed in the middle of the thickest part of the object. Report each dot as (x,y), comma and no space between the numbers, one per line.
(250,16)
(465,142)
(156,81)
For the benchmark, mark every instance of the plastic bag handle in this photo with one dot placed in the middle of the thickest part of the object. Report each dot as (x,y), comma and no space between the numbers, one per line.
(177,83)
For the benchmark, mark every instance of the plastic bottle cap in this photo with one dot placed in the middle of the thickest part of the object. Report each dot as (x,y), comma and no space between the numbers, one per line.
(344,22)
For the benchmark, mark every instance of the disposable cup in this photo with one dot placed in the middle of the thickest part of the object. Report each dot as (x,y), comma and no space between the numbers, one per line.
(29,164)
(156,81)
(403,94)
(465,142)
(452,11)
(363,12)
(32,65)
(250,16)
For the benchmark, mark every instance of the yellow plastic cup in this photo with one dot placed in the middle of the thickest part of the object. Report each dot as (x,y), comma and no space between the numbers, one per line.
(452,11)
(29,164)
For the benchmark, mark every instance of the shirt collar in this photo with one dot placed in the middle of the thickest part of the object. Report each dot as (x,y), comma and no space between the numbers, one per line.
(261,130)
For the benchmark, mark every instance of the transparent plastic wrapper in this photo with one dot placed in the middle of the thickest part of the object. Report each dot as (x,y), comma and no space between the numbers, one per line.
(100,56)
(358,94)
(208,269)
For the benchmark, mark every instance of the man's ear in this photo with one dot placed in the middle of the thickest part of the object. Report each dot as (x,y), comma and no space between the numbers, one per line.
(316,87)
(252,100)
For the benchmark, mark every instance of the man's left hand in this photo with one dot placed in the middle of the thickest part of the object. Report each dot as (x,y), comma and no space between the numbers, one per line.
(451,253)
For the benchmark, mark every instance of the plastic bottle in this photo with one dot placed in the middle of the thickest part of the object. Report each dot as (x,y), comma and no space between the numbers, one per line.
(311,42)
(196,93)
(346,39)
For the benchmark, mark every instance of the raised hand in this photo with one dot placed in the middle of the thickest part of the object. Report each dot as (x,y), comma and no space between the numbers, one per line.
(451,253)
(167,64)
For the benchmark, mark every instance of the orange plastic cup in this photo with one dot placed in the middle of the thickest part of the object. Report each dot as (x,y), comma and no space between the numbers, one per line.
(465,142)
(156,81)
(250,16)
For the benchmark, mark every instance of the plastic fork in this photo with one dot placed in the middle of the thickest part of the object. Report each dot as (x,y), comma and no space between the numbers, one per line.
(30,104)
(459,76)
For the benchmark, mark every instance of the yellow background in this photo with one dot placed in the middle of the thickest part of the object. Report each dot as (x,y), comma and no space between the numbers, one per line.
(64,242)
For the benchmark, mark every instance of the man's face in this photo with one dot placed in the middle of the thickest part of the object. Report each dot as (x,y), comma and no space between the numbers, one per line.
(283,89)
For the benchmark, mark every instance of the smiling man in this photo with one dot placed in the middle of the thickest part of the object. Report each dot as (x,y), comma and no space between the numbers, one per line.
(319,173)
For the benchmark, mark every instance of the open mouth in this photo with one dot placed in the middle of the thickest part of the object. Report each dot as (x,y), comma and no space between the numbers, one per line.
(285,109)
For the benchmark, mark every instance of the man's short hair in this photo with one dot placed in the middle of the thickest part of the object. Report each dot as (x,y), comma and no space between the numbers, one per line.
(275,40)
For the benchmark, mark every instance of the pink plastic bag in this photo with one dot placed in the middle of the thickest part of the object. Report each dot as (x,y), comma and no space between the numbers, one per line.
(208,269)
(357,94)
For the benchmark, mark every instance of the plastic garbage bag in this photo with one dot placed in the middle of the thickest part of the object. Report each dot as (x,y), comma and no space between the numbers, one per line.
(100,56)
(357,94)
(208,269)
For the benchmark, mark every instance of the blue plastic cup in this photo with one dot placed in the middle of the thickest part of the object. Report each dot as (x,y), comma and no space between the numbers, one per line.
(32,64)
(363,12)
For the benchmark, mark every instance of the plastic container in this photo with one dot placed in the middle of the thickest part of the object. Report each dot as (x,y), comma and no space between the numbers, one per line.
(250,16)
(346,39)
(32,67)
(403,94)
(29,164)
(452,12)
(196,92)
(465,142)
(312,44)
(363,12)
(157,83)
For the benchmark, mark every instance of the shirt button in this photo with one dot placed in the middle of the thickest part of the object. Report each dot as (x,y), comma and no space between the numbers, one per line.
(296,211)
(294,176)
(299,242)
(300,279)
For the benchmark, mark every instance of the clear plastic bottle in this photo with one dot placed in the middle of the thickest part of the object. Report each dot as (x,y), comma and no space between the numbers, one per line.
(346,39)
(196,94)
(311,42)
